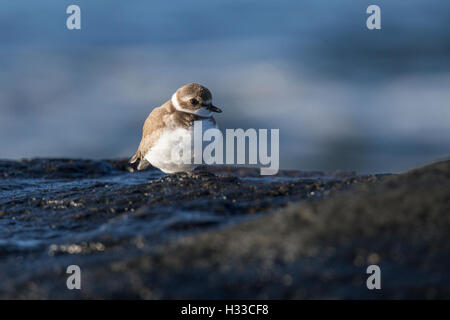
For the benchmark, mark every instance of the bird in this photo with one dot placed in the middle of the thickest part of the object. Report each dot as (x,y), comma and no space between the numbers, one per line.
(171,126)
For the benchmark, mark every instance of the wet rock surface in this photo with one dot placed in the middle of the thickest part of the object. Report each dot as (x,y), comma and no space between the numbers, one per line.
(220,232)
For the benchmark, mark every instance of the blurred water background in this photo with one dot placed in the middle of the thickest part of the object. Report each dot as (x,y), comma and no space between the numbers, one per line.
(343,97)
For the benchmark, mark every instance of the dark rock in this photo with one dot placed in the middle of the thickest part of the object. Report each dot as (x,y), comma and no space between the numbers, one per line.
(220,232)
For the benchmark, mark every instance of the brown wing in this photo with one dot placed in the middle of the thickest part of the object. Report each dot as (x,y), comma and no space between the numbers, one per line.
(151,131)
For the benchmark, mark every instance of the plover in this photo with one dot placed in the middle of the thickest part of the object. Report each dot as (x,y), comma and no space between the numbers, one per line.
(170,127)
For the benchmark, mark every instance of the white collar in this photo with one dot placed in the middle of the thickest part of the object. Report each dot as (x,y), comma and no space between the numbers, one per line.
(202,112)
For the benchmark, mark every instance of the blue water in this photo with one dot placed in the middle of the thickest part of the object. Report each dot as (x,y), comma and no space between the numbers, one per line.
(342,96)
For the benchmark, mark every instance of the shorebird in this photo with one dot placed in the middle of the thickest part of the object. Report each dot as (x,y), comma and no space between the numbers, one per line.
(171,126)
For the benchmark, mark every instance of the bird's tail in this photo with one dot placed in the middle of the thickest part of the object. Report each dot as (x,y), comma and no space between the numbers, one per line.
(136,156)
(143,163)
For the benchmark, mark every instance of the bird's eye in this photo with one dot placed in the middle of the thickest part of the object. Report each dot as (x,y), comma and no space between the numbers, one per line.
(194,101)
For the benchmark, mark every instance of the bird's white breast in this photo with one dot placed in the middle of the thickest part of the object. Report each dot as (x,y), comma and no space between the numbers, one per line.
(165,153)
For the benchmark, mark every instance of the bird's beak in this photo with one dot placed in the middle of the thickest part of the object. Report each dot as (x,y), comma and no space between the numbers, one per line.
(214,109)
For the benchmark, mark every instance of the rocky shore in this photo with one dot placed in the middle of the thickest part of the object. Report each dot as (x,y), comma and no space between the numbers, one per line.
(221,232)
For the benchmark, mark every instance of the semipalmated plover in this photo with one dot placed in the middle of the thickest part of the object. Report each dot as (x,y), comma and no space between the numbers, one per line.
(170,127)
